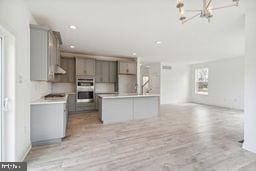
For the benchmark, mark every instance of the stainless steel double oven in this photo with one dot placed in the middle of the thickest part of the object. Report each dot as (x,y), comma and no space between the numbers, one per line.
(85,89)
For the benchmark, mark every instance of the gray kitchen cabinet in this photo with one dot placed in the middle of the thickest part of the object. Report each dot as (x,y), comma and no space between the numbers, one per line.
(98,77)
(48,122)
(44,53)
(102,72)
(68,64)
(106,72)
(97,101)
(127,68)
(132,107)
(85,67)
(72,103)
(113,72)
(132,68)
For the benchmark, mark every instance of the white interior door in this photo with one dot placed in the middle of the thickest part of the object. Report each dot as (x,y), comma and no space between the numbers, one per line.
(7,96)
(1,98)
(4,100)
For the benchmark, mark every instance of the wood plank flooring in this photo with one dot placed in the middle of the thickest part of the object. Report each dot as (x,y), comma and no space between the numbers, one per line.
(183,137)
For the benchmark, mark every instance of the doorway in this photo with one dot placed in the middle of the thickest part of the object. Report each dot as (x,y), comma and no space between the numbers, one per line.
(7,95)
(1,98)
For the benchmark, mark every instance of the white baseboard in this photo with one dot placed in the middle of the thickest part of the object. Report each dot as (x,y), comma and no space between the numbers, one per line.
(26,153)
(249,148)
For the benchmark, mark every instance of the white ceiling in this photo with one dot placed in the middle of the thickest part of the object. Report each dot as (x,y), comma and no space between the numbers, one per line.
(121,27)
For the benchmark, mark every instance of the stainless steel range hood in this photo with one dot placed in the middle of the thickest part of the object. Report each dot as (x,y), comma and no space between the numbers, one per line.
(58,70)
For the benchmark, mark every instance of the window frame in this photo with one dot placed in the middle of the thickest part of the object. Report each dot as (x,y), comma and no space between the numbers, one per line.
(196,82)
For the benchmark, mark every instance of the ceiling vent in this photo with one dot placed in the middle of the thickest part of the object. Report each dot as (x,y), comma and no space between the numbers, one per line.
(168,67)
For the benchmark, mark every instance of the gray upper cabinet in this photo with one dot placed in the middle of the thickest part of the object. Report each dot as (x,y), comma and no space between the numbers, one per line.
(68,64)
(106,72)
(127,68)
(98,77)
(113,72)
(44,53)
(85,67)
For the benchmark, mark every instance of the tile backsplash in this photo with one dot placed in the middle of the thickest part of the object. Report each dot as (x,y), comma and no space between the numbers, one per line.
(104,87)
(63,88)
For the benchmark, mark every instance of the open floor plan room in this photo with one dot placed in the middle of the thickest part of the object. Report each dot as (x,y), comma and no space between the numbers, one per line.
(131,85)
(183,137)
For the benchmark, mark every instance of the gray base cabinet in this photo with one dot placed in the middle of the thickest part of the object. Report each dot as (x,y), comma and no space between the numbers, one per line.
(48,122)
(114,110)
(72,103)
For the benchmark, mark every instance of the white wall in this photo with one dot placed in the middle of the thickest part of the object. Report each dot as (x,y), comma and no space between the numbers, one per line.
(15,17)
(250,79)
(175,84)
(226,83)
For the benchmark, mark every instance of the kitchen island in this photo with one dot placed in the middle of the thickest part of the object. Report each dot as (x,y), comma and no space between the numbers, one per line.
(125,107)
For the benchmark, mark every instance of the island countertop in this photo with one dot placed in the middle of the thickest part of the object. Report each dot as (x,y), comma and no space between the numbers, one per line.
(130,95)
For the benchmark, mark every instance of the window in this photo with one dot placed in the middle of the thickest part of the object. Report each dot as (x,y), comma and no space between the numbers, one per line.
(201,81)
(145,84)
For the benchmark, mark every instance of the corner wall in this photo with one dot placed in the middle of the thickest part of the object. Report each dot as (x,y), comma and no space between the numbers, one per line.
(226,83)
(175,83)
(250,78)
(15,18)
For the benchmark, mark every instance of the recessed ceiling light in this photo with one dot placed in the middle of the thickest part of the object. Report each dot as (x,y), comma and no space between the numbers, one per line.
(72,27)
(72,46)
(158,42)
(134,54)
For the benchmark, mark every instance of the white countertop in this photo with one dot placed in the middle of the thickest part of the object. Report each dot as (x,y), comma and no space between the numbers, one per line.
(104,92)
(131,95)
(50,101)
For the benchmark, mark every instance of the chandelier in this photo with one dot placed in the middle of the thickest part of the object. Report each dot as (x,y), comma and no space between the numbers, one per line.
(205,12)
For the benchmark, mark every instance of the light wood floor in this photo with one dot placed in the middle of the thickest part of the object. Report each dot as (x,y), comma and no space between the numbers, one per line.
(183,137)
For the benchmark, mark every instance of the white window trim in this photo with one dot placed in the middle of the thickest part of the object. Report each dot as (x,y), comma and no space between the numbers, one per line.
(195,82)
